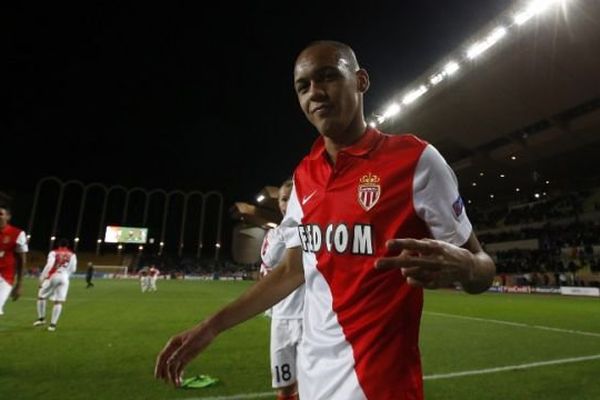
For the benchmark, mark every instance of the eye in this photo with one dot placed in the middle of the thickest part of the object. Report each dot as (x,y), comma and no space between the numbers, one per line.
(301,88)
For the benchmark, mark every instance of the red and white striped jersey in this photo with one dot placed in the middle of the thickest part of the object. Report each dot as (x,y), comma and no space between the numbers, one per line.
(61,260)
(361,325)
(272,251)
(153,272)
(12,240)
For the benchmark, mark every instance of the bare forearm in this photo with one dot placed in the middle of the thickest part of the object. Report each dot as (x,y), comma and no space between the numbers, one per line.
(482,274)
(21,261)
(261,296)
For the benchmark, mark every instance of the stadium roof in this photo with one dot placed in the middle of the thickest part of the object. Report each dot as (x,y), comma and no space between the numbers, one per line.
(528,108)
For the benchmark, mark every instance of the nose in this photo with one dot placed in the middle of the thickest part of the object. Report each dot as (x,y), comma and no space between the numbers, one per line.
(317,91)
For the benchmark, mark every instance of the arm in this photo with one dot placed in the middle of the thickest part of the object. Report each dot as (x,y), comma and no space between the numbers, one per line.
(433,263)
(21,262)
(72,265)
(48,266)
(184,347)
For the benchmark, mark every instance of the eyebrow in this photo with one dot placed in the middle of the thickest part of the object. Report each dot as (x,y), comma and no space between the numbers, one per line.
(322,70)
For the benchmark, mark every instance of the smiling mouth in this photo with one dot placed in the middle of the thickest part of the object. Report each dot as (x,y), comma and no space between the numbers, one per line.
(322,109)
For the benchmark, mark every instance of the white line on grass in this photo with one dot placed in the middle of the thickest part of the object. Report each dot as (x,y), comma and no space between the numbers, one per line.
(433,377)
(518,324)
(512,367)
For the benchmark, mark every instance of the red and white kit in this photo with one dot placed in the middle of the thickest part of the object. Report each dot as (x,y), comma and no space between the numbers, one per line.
(361,325)
(54,279)
(12,240)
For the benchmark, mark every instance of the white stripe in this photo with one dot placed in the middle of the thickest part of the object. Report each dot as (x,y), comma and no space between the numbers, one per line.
(235,396)
(511,367)
(518,324)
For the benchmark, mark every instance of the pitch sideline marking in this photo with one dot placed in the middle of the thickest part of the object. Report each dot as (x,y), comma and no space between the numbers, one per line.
(435,376)
(518,324)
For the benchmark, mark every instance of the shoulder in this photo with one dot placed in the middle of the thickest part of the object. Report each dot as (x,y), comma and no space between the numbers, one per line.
(404,141)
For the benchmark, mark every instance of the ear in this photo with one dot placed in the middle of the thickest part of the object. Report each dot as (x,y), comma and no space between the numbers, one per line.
(362,80)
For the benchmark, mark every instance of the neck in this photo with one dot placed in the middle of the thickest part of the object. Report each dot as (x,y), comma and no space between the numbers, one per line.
(333,145)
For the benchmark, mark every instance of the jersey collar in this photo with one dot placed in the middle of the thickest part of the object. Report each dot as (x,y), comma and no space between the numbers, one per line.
(363,146)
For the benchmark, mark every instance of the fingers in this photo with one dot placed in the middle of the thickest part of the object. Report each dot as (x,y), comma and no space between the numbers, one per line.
(161,366)
(424,246)
(434,264)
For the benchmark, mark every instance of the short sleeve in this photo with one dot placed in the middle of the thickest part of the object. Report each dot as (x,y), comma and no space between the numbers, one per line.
(291,221)
(437,200)
(22,246)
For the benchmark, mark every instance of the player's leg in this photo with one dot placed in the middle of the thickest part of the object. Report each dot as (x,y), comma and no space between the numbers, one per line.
(5,289)
(283,360)
(153,284)
(43,293)
(59,297)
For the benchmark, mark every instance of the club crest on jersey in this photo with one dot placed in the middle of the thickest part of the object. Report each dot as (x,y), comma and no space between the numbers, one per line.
(368,191)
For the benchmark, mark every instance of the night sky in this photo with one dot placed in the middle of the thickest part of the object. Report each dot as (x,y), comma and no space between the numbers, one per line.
(196,96)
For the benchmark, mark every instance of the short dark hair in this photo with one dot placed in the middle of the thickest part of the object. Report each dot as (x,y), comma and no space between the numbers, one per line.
(62,242)
(6,207)
(342,49)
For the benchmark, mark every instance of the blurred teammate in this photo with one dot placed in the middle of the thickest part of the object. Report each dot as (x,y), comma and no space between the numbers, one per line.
(145,279)
(153,274)
(13,249)
(286,322)
(372,219)
(54,282)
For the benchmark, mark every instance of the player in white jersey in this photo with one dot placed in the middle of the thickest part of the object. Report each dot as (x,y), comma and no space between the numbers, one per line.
(153,273)
(54,282)
(145,279)
(286,317)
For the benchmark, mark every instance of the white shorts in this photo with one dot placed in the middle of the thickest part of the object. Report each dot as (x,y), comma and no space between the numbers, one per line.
(5,289)
(285,338)
(56,287)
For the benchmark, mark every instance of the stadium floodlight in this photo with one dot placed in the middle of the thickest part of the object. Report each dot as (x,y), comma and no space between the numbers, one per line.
(513,157)
(28,237)
(373,124)
(99,241)
(517,190)
(501,175)
(537,195)
(260,198)
(140,248)
(491,196)
(392,110)
(380,119)
(534,8)
(162,244)
(414,94)
(451,68)
(474,184)
(479,47)
(547,182)
(52,238)
(481,174)
(437,78)
(120,246)
(76,240)
(218,245)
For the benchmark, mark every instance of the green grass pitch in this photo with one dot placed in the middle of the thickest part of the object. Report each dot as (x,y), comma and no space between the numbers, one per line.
(108,338)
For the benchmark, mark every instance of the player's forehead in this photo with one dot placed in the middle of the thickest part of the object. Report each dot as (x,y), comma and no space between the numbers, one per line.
(285,191)
(316,58)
